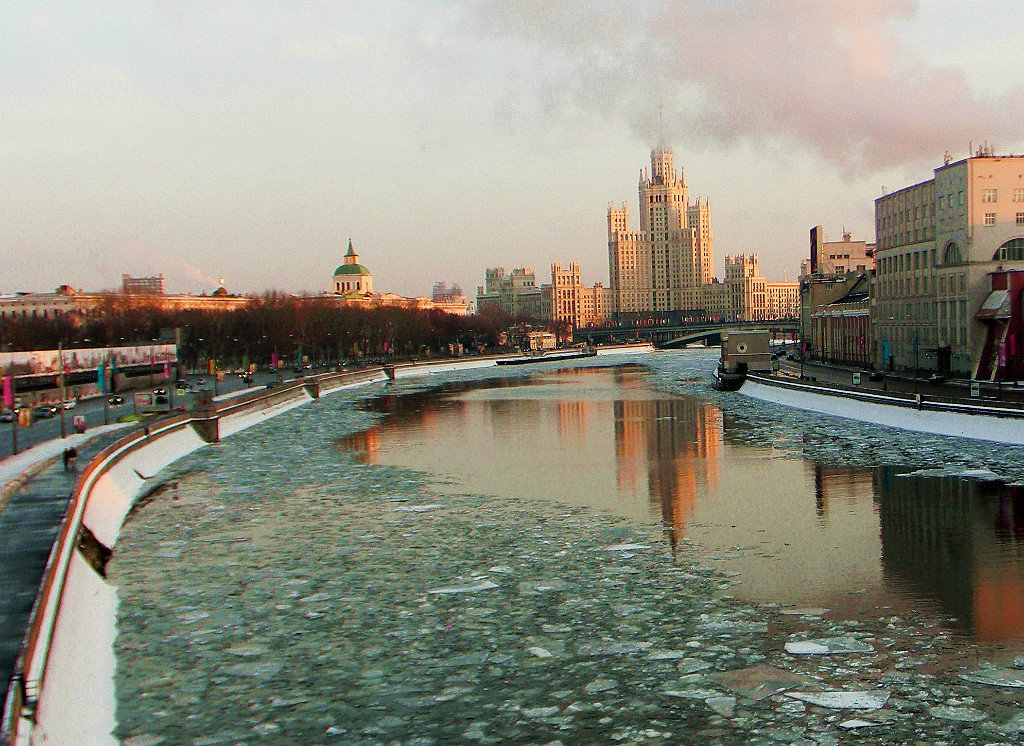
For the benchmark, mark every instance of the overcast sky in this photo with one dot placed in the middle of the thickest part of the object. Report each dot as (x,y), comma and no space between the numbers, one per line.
(250,140)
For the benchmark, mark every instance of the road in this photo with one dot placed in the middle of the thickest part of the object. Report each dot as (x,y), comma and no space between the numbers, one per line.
(92,409)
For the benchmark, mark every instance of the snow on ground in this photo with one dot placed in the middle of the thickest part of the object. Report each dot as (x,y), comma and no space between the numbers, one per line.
(13,466)
(976,427)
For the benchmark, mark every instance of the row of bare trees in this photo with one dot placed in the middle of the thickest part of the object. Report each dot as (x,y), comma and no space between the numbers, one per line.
(286,327)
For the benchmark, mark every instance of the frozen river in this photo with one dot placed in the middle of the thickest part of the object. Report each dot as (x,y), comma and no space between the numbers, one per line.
(586,555)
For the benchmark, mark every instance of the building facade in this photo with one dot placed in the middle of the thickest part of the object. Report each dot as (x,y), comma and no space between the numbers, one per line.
(748,296)
(514,294)
(839,257)
(142,285)
(573,303)
(938,243)
(662,266)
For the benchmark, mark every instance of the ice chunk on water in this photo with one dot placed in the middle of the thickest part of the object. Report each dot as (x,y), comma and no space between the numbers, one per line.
(479,585)
(614,648)
(836,700)
(960,714)
(248,650)
(419,508)
(996,677)
(143,739)
(724,706)
(262,670)
(804,612)
(667,655)
(828,646)
(627,547)
(539,652)
(856,724)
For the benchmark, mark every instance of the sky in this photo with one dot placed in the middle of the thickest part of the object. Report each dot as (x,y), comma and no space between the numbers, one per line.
(250,141)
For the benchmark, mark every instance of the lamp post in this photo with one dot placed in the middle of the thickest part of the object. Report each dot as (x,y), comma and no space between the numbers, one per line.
(63,391)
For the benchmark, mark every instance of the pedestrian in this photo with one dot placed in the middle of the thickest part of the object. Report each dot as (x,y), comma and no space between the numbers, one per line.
(70,455)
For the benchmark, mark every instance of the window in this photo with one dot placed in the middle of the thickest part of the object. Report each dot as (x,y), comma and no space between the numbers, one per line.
(1012,250)
(1018,195)
(989,195)
(990,218)
(951,254)
(1020,218)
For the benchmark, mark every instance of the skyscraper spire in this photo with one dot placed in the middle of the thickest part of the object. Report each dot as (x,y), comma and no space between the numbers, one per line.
(661,126)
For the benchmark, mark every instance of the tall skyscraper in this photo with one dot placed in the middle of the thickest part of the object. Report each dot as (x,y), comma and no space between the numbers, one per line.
(663,265)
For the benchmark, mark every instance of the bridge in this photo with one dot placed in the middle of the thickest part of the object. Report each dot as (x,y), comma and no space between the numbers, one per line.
(680,335)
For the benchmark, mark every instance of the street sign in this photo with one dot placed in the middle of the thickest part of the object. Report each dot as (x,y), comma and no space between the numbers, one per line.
(856,379)
(975,388)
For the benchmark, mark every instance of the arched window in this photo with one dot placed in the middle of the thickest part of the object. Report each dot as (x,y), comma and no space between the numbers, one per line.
(1012,251)
(952,254)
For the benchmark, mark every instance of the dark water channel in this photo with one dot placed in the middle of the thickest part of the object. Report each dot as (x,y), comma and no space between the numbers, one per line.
(796,532)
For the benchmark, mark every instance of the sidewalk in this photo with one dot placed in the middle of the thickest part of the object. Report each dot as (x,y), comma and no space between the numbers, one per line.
(893,383)
(29,525)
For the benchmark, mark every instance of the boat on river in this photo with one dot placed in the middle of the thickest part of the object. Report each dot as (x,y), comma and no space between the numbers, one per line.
(545,356)
(742,353)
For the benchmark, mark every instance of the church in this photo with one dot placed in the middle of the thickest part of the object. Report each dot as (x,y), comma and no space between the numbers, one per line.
(352,285)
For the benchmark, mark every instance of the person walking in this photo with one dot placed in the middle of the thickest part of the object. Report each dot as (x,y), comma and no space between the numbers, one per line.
(70,456)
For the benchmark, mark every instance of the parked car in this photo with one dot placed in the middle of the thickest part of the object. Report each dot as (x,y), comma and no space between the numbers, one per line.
(69,404)
(181,385)
(160,391)
(45,411)
(116,399)
(876,376)
(7,416)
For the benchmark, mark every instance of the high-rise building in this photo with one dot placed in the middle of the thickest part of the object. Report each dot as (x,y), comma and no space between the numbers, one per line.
(142,285)
(514,293)
(574,303)
(662,266)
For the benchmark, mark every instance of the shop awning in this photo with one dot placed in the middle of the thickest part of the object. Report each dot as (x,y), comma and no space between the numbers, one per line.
(996,306)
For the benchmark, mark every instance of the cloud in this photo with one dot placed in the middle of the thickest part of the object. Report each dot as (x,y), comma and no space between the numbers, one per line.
(834,77)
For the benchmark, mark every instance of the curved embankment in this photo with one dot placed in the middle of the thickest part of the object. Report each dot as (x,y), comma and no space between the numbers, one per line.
(961,420)
(63,688)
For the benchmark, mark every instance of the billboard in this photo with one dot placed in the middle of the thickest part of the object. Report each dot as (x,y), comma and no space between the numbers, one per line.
(42,362)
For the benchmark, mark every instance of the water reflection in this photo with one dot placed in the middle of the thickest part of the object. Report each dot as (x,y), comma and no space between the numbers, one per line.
(960,542)
(797,532)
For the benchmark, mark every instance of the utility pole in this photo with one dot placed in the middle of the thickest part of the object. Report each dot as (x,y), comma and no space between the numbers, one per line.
(63,393)
(16,412)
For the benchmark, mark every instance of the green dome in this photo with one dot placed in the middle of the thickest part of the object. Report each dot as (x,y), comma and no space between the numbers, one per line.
(351,269)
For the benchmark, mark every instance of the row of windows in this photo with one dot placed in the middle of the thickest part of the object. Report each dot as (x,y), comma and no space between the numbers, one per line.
(36,314)
(992,195)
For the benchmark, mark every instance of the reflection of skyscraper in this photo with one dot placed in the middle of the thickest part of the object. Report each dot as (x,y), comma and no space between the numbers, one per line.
(365,445)
(572,420)
(679,439)
(946,539)
(837,483)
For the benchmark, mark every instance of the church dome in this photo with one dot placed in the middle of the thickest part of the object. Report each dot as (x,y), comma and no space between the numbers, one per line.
(351,269)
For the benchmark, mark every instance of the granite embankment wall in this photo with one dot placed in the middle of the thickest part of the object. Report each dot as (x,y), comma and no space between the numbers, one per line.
(1001,424)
